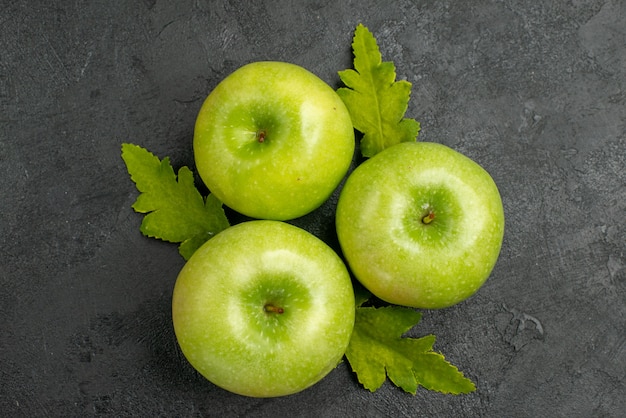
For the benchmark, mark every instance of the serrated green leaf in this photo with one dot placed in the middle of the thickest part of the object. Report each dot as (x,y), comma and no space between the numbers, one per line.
(378,350)
(175,210)
(376,101)
(435,373)
(190,245)
(361,294)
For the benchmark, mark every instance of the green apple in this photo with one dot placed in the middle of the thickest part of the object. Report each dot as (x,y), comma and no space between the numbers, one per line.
(264,309)
(273,141)
(420,225)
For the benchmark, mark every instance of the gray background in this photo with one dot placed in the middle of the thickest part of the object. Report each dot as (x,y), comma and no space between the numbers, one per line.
(534,91)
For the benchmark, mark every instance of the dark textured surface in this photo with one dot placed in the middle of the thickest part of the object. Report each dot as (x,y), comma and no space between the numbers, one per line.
(534,91)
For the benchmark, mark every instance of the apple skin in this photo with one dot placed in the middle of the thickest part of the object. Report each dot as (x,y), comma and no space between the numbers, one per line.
(273,141)
(398,257)
(226,305)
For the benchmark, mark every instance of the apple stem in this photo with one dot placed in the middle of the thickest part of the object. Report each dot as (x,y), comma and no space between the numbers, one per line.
(428,218)
(273,309)
(261,136)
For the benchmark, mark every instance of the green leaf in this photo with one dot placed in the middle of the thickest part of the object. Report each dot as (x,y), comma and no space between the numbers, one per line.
(376,102)
(378,350)
(361,294)
(175,210)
